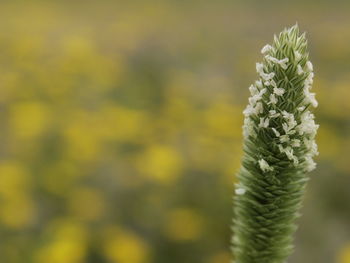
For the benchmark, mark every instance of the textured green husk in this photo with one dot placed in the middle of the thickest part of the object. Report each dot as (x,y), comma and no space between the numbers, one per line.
(264,216)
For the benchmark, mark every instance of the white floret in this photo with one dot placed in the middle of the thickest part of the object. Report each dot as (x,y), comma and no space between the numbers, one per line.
(280,148)
(253,90)
(314,148)
(258,108)
(281,62)
(264,166)
(267,48)
(310,78)
(309,66)
(300,70)
(249,110)
(309,81)
(264,122)
(309,164)
(295,143)
(276,132)
(278,91)
(240,191)
(290,119)
(263,75)
(248,128)
(253,110)
(290,155)
(273,99)
(270,83)
(267,76)
(307,124)
(295,160)
(273,83)
(272,59)
(273,113)
(258,96)
(311,98)
(259,84)
(284,138)
(288,129)
(259,68)
(311,146)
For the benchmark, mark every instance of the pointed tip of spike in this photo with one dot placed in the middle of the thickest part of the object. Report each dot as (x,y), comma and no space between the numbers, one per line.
(293,30)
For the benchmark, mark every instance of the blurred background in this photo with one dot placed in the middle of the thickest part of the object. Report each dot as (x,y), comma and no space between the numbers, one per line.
(121,127)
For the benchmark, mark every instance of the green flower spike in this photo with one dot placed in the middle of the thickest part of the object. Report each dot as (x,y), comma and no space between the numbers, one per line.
(279,144)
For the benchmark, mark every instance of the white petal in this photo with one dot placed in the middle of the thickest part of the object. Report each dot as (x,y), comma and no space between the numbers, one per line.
(240,191)
(266,48)
(309,66)
(278,91)
(273,99)
(276,132)
(264,166)
(300,70)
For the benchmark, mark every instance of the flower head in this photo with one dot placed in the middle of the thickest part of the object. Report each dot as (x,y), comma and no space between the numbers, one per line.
(279,145)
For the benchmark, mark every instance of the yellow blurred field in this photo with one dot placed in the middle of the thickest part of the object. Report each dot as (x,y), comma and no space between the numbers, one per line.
(121,127)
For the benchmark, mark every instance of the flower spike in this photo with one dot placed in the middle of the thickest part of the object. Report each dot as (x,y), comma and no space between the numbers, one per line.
(279,145)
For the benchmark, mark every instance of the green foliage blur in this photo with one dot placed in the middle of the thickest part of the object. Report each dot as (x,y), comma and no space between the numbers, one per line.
(121,127)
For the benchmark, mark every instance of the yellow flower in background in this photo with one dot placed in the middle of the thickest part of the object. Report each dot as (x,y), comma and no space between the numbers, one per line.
(344,254)
(18,212)
(63,251)
(68,244)
(28,120)
(82,141)
(223,120)
(160,163)
(124,246)
(221,257)
(17,207)
(79,46)
(14,179)
(87,134)
(183,224)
